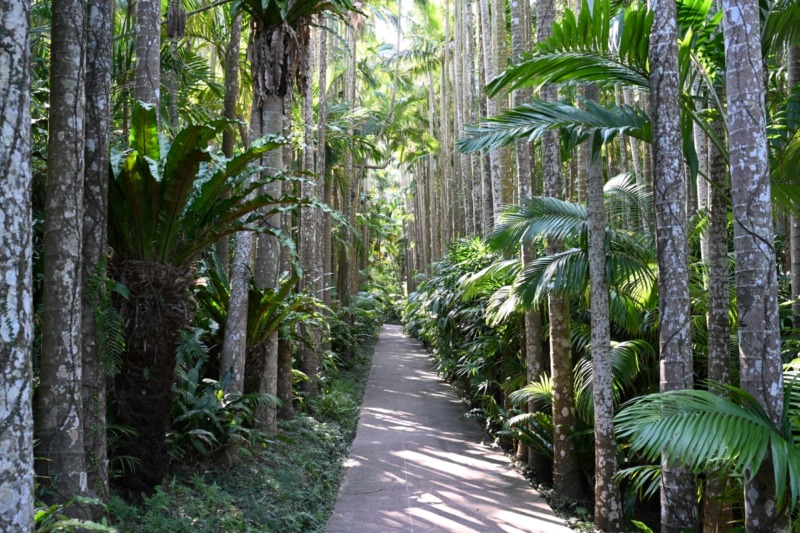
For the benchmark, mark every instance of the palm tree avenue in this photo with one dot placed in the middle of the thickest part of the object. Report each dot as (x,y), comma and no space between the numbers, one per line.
(586,211)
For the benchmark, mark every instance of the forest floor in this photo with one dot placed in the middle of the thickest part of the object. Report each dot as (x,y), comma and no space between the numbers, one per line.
(417,464)
(289,487)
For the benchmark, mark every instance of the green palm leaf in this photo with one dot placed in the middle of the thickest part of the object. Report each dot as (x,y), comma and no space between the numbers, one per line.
(704,430)
(533,120)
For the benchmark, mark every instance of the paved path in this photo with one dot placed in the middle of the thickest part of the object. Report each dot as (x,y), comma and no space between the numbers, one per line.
(417,465)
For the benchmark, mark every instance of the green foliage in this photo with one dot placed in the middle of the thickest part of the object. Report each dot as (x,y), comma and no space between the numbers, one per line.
(356,323)
(49,518)
(290,486)
(205,418)
(169,206)
(109,325)
(720,429)
(268,310)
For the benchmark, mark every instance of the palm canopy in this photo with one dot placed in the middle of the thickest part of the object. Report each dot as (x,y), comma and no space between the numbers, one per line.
(630,256)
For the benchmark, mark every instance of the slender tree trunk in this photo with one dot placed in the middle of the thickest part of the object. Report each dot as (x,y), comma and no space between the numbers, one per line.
(229,112)
(234,345)
(793,72)
(16,283)
(148,48)
(95,208)
(60,405)
(485,57)
(715,516)
(607,504)
(566,470)
(678,500)
(176,25)
(268,253)
(308,240)
(756,277)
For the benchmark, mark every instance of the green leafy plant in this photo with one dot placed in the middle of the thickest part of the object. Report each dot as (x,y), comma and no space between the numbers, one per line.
(205,418)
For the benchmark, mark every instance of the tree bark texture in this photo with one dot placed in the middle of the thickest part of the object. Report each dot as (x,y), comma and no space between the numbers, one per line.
(793,75)
(607,503)
(754,249)
(60,406)
(16,283)
(95,207)
(148,47)
(229,112)
(678,500)
(715,515)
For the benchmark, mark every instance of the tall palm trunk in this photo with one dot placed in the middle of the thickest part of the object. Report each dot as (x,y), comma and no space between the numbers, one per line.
(309,234)
(717,317)
(678,501)
(16,283)
(95,208)
(607,504)
(566,470)
(229,112)
(148,47)
(756,277)
(60,407)
(793,74)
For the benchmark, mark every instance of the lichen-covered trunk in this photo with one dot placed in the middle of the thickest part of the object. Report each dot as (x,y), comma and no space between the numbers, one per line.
(60,396)
(607,503)
(147,74)
(678,499)
(753,243)
(158,307)
(715,513)
(310,232)
(793,75)
(229,112)
(16,283)
(234,344)
(95,208)
(268,252)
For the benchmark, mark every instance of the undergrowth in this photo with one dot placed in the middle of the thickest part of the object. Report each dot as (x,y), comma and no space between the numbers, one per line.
(289,486)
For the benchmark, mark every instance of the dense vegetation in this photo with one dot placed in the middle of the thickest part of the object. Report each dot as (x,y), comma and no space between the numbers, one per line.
(587,210)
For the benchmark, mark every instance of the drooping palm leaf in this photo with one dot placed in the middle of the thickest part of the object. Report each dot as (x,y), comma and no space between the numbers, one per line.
(531,121)
(704,430)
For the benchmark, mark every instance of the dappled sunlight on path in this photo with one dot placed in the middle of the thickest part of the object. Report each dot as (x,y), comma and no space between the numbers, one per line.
(418,465)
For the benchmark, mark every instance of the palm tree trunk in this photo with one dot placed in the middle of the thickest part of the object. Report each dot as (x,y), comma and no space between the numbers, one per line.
(678,501)
(566,470)
(16,283)
(607,504)
(756,277)
(148,48)
(793,71)
(60,405)
(715,515)
(95,208)
(229,112)
(484,56)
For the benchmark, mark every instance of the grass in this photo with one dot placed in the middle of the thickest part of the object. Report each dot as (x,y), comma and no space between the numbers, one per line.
(290,486)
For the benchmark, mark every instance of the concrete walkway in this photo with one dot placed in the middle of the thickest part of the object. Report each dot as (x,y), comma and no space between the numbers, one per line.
(417,465)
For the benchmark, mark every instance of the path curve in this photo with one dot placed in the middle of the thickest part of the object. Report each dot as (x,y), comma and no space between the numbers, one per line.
(417,465)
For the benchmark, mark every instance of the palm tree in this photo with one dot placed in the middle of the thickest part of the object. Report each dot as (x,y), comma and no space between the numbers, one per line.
(16,283)
(678,503)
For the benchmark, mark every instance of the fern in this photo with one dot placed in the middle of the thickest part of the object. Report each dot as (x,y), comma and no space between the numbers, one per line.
(109,324)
